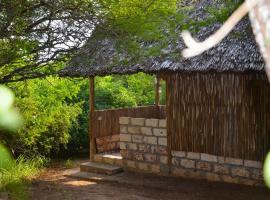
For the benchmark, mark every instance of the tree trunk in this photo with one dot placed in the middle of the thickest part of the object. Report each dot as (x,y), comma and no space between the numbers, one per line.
(260,20)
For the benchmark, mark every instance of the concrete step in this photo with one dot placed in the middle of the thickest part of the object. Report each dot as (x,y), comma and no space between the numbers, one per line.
(100,168)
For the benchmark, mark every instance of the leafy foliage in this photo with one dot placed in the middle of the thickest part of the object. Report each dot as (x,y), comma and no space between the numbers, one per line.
(266,170)
(124,91)
(48,115)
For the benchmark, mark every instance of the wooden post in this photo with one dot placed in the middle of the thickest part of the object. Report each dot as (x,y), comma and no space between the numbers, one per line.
(91,115)
(157,99)
(158,91)
(168,125)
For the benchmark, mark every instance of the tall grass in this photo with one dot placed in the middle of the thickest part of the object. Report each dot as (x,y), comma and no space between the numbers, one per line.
(15,178)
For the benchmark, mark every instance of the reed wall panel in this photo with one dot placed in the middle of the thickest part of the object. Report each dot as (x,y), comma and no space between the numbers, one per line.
(225,114)
(106,122)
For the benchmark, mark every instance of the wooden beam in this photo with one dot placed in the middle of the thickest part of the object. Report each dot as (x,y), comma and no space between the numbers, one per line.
(91,115)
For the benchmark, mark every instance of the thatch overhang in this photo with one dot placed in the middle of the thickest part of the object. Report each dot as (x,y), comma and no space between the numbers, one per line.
(238,52)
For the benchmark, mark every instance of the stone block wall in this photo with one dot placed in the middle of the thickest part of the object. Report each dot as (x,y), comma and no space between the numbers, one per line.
(143,146)
(216,168)
(143,143)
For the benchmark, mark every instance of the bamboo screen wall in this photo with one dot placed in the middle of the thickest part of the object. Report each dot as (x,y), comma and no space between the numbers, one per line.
(224,114)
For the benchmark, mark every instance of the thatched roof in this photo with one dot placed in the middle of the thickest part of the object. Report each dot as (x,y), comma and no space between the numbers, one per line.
(238,52)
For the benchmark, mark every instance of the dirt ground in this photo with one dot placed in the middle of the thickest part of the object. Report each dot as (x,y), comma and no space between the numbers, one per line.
(52,184)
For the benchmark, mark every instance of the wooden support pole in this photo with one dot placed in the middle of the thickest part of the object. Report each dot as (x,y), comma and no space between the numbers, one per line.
(169,124)
(158,91)
(91,115)
(157,99)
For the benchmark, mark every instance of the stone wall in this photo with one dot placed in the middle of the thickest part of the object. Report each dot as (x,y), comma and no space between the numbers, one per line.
(216,168)
(143,143)
(143,146)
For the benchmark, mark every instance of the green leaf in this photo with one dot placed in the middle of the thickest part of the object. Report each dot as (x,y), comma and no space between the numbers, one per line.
(266,170)
(5,157)
(6,99)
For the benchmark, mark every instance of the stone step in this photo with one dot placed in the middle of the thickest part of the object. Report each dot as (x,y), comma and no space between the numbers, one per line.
(100,168)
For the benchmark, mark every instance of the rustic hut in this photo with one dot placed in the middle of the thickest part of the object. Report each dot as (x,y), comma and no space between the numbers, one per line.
(217,120)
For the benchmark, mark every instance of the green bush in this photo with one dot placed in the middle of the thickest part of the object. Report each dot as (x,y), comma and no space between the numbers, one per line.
(55,111)
(48,111)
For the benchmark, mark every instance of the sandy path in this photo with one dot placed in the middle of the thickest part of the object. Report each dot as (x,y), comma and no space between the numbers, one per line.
(53,185)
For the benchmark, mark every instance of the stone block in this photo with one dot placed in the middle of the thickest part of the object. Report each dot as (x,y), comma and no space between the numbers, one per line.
(123,145)
(137,121)
(257,174)
(163,159)
(176,162)
(150,140)
(233,161)
(221,169)
(179,154)
(162,123)
(132,146)
(138,156)
(143,166)
(193,155)
(209,158)
(155,168)
(245,181)
(196,174)
(134,129)
(253,164)
(125,138)
(162,141)
(98,158)
(137,138)
(213,177)
(205,166)
(150,157)
(188,163)
(123,129)
(160,132)
(145,148)
(240,171)
(221,159)
(131,164)
(151,122)
(179,172)
(126,154)
(162,150)
(119,162)
(124,120)
(108,160)
(229,179)
(146,131)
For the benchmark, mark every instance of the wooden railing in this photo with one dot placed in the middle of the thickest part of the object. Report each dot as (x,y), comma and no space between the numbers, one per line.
(106,122)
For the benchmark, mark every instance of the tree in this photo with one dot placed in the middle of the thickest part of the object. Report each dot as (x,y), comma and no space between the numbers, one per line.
(35,35)
(260,20)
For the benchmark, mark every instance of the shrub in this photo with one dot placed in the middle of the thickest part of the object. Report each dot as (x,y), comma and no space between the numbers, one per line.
(16,176)
(48,112)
